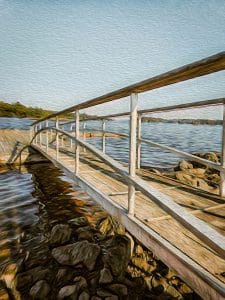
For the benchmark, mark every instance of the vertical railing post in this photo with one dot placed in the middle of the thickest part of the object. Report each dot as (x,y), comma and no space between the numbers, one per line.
(71,141)
(77,148)
(222,173)
(133,150)
(84,134)
(46,125)
(40,135)
(103,136)
(57,138)
(51,135)
(139,142)
(62,136)
(35,130)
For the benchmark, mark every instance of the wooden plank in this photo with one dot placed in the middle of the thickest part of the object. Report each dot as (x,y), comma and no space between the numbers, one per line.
(199,68)
(206,285)
(211,237)
(198,227)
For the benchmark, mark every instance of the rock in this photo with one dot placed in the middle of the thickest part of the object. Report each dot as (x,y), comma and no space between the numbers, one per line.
(23,279)
(40,290)
(31,276)
(139,250)
(3,292)
(212,156)
(85,234)
(105,276)
(84,296)
(80,282)
(113,297)
(96,298)
(104,293)
(143,264)
(202,184)
(8,279)
(8,274)
(183,165)
(60,234)
(64,275)
(67,292)
(186,178)
(117,254)
(110,226)
(74,254)
(78,222)
(118,288)
(72,291)
(200,172)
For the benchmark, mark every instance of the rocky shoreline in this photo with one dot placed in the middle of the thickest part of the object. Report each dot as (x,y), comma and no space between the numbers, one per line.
(195,174)
(76,260)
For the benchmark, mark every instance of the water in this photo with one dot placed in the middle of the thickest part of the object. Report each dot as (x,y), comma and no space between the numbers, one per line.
(185,137)
(31,200)
(15,123)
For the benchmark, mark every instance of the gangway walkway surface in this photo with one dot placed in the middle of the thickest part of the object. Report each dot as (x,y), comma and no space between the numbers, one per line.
(183,228)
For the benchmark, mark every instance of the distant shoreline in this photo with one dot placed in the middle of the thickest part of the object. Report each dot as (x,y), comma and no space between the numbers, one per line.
(183,121)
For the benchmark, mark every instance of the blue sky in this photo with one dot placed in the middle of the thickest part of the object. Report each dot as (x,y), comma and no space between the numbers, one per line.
(55,54)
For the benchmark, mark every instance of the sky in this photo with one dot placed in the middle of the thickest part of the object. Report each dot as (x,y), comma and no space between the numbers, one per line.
(55,54)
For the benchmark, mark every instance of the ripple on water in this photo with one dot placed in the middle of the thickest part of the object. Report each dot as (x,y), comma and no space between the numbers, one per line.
(31,201)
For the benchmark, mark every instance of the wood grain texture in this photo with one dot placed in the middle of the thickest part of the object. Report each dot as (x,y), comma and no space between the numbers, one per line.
(195,262)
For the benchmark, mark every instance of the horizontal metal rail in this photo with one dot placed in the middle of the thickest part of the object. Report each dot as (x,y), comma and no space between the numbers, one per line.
(197,104)
(198,227)
(192,157)
(199,68)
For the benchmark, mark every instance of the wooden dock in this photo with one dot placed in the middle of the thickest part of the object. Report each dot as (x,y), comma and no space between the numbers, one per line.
(183,226)
(194,261)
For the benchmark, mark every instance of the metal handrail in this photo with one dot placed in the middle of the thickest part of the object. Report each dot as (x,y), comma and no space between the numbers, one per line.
(212,64)
(210,236)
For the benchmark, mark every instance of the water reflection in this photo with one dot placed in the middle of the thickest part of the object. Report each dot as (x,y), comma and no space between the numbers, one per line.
(31,201)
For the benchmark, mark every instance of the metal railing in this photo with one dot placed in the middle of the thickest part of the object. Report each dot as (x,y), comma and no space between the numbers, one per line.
(203,67)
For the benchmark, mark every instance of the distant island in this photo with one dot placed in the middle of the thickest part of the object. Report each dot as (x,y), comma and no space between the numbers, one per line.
(19,110)
(183,121)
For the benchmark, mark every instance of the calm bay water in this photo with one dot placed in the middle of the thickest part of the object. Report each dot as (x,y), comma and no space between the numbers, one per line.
(32,199)
(186,137)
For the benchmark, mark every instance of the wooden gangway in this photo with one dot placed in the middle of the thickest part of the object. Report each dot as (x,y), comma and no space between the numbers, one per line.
(184,228)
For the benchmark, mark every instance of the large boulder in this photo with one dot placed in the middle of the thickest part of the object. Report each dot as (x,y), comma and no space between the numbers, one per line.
(60,234)
(117,254)
(77,253)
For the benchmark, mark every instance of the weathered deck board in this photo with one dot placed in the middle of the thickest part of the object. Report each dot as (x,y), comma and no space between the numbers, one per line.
(104,179)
